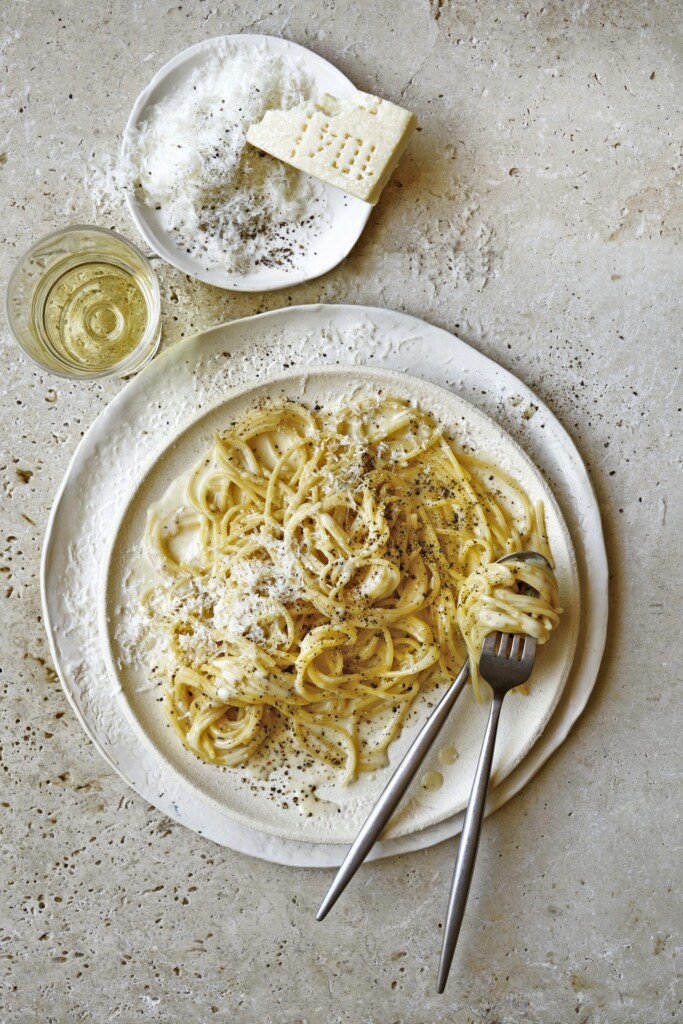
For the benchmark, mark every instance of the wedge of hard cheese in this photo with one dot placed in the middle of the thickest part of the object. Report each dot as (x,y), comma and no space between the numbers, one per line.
(353,144)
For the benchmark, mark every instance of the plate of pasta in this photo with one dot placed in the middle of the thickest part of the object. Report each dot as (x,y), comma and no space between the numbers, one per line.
(154,432)
(299,575)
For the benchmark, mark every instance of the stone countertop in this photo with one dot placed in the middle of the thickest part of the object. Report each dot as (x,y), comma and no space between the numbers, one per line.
(536,214)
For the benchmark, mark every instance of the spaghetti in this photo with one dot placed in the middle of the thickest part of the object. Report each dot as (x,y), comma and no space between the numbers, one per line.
(323,569)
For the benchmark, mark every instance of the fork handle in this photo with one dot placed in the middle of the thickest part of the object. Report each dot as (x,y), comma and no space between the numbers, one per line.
(393,792)
(469,844)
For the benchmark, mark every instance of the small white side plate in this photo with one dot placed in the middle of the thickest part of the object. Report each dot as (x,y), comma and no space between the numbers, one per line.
(345,216)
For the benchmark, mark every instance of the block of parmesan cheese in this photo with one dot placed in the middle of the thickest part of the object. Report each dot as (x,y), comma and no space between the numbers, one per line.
(353,144)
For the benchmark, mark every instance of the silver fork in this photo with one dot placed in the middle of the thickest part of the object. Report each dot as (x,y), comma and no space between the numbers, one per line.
(406,771)
(506,661)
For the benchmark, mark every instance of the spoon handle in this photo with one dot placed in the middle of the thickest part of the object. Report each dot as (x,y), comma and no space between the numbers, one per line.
(394,791)
(469,844)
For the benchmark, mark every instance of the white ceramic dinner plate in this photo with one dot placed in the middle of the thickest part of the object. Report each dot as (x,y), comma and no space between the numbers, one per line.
(338,813)
(339,225)
(162,418)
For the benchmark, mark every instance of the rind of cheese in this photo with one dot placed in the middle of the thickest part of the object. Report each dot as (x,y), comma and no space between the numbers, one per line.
(353,144)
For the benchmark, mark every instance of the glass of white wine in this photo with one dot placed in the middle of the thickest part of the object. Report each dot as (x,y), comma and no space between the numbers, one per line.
(84,303)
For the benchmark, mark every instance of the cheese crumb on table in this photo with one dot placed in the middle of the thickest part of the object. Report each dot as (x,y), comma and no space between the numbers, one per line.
(353,144)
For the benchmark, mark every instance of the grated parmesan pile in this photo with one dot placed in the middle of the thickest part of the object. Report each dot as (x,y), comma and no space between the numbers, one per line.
(256,589)
(225,202)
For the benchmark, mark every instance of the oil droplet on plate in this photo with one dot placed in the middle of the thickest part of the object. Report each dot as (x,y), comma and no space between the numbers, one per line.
(432,780)
(448,754)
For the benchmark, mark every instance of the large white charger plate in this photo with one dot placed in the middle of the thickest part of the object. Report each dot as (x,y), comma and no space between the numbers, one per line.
(345,216)
(341,810)
(132,433)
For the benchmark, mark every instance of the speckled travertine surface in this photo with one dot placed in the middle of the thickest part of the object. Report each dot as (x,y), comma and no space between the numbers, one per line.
(537,214)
